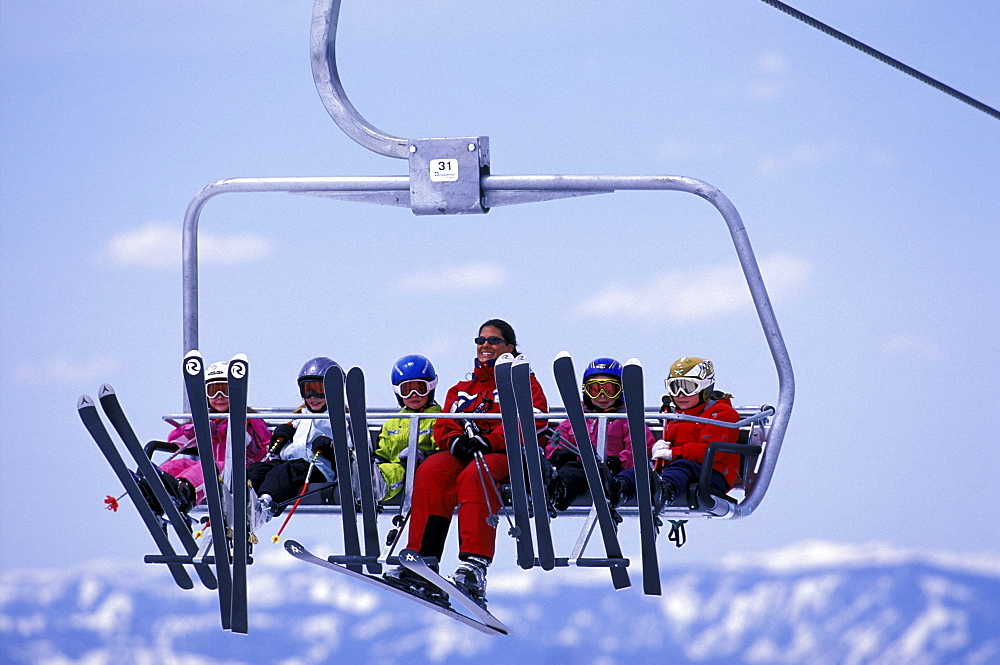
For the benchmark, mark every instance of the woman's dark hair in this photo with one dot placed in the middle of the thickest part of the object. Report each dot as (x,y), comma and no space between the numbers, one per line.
(505,330)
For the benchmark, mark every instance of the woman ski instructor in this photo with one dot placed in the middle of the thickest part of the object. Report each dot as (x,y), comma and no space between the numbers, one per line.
(451,478)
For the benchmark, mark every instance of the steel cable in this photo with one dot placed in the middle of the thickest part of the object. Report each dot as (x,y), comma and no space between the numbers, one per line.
(878,55)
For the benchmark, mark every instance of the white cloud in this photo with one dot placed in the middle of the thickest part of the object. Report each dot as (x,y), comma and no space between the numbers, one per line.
(812,554)
(764,90)
(453,279)
(64,370)
(674,148)
(697,295)
(907,345)
(773,164)
(772,61)
(770,84)
(159,246)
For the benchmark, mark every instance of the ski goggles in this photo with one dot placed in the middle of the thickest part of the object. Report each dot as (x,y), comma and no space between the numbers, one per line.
(680,385)
(214,390)
(312,390)
(489,340)
(418,387)
(609,388)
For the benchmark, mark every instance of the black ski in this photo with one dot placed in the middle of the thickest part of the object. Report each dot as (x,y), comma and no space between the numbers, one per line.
(333,386)
(565,377)
(414,563)
(301,553)
(180,523)
(363,454)
(521,385)
(512,438)
(634,406)
(239,370)
(194,383)
(92,421)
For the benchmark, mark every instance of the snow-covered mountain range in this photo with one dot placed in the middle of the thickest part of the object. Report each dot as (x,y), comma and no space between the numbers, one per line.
(813,603)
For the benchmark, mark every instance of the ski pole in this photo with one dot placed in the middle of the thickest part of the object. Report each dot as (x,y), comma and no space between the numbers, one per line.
(493,518)
(277,537)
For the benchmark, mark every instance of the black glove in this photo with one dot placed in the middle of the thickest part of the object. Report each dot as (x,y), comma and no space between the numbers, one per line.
(323,445)
(614,464)
(466,447)
(561,456)
(281,435)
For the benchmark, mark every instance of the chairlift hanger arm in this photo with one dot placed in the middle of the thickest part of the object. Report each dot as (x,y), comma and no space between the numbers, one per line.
(452,176)
(323,48)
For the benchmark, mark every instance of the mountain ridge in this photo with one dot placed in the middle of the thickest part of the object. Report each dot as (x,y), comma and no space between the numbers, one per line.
(809,603)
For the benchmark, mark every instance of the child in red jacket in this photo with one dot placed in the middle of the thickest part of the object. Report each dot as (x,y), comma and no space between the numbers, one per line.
(679,455)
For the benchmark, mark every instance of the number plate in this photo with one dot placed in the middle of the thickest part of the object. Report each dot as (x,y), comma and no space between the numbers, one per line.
(444,170)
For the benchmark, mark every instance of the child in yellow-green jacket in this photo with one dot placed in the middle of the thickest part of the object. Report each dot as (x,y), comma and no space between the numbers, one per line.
(414,381)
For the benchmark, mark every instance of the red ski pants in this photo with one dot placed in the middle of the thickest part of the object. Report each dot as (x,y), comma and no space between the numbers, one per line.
(443,482)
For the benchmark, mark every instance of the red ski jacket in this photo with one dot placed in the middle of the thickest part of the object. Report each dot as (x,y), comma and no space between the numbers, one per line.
(479,395)
(690,440)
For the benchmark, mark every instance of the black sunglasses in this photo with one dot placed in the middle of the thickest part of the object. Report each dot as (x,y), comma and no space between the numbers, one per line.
(490,340)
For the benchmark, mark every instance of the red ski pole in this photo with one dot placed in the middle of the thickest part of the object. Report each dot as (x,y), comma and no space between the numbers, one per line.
(305,486)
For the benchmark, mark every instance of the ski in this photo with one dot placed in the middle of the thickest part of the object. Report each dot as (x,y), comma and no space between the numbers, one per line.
(363,454)
(521,385)
(301,553)
(333,386)
(92,421)
(180,523)
(414,563)
(238,376)
(511,435)
(634,407)
(565,375)
(194,384)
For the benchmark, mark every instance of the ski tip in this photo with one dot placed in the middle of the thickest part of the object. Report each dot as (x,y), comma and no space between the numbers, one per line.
(84,401)
(238,367)
(633,361)
(563,354)
(333,371)
(106,389)
(505,358)
(193,363)
(293,547)
(520,360)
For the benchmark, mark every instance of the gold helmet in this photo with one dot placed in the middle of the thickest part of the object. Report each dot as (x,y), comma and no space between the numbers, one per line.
(690,376)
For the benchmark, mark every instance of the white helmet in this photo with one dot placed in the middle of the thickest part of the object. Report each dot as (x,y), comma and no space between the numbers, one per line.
(217,372)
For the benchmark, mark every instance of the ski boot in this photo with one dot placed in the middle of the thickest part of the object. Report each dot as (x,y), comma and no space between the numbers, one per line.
(470,578)
(181,492)
(557,493)
(662,493)
(401,578)
(262,510)
(147,494)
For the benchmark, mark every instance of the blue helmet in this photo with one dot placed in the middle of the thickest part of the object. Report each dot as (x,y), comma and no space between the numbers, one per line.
(315,369)
(414,367)
(603,367)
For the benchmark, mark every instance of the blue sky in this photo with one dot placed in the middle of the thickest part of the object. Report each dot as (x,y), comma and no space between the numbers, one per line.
(869,197)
